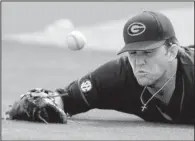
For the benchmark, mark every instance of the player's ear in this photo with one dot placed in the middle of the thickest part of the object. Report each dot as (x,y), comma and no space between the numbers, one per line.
(172,52)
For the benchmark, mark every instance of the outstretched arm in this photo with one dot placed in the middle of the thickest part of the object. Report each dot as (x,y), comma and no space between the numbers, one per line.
(102,88)
(99,89)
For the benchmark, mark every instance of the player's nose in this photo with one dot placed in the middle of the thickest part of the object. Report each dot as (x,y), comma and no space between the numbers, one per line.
(140,61)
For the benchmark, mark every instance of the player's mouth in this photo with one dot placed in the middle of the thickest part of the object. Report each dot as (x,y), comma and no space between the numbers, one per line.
(141,73)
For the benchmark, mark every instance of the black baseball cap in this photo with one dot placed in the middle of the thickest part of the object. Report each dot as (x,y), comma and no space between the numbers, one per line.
(147,30)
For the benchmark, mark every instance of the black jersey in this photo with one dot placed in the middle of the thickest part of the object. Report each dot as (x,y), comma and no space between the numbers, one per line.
(113,86)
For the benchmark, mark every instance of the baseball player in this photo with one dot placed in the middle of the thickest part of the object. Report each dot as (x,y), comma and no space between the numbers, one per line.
(154,80)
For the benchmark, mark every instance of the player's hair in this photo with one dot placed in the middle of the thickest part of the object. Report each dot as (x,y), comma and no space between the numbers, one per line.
(169,42)
(181,49)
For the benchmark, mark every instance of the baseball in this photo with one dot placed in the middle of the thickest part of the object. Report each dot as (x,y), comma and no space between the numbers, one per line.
(75,40)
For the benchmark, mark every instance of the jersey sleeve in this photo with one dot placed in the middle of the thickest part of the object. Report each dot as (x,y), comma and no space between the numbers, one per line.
(98,89)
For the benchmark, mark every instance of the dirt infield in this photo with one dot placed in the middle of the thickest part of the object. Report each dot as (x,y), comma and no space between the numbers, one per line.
(97,125)
(26,67)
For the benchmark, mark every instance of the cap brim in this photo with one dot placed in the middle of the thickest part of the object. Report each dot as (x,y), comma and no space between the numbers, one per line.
(145,45)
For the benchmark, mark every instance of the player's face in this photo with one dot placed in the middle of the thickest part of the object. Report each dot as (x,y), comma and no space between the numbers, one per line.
(149,65)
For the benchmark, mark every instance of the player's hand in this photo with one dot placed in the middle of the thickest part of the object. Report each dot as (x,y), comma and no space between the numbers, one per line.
(37,105)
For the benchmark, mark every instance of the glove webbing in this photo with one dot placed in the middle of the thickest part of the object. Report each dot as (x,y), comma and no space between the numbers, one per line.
(39,112)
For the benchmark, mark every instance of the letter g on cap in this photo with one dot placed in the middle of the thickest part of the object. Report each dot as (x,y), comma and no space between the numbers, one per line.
(136,28)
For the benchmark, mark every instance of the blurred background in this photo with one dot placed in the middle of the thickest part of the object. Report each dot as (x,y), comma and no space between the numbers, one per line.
(48,23)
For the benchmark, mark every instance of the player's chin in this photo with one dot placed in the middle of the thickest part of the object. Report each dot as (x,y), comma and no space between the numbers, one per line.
(144,81)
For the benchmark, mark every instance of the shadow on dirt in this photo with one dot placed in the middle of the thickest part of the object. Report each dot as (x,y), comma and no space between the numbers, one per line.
(124,123)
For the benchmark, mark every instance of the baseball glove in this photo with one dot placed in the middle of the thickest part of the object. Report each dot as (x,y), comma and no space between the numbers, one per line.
(37,105)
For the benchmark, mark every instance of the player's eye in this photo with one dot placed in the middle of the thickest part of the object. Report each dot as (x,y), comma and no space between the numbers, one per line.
(147,52)
(132,53)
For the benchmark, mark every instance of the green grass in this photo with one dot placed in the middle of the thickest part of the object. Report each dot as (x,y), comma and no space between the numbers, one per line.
(25,67)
